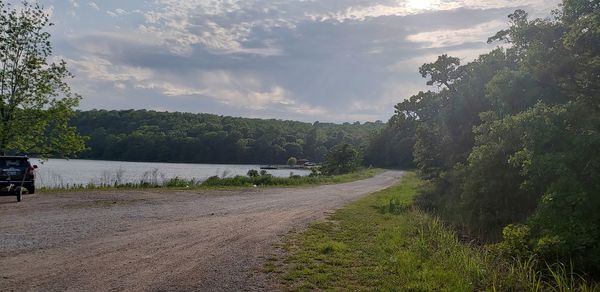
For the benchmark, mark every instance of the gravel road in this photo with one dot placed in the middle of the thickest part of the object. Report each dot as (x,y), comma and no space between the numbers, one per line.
(158,240)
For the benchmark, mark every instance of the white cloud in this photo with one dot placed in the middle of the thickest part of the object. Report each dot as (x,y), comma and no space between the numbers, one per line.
(99,69)
(117,12)
(465,55)
(409,7)
(448,38)
(242,91)
(181,25)
(239,91)
(94,5)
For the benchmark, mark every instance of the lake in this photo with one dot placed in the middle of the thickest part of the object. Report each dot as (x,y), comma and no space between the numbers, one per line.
(56,173)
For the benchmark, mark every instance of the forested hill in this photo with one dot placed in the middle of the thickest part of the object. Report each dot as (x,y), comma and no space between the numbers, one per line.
(141,135)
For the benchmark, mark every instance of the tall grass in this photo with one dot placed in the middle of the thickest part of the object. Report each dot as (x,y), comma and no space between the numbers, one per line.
(155,179)
(531,274)
(266,179)
(384,243)
(116,180)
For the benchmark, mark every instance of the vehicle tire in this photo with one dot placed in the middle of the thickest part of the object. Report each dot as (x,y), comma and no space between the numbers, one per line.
(31,190)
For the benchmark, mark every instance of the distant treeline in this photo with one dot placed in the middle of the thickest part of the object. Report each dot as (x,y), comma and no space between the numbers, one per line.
(141,135)
(510,142)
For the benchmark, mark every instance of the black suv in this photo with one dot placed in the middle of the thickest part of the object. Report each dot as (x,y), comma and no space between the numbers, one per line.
(16,176)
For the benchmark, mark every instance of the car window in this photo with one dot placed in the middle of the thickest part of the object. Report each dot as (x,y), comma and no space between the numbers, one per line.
(17,163)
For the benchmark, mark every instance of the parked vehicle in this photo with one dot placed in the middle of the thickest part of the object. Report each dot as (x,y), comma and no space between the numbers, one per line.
(16,176)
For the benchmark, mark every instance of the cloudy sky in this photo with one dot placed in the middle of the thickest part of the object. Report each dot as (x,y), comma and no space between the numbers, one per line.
(326,60)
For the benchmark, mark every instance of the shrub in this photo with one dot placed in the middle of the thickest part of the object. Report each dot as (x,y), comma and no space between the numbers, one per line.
(342,158)
(292,161)
(253,173)
(178,182)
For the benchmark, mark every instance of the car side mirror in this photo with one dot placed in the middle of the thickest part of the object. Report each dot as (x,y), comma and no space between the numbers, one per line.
(35,166)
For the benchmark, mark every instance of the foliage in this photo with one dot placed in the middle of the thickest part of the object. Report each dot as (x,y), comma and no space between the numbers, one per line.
(508,143)
(393,145)
(266,179)
(253,178)
(35,101)
(342,158)
(559,168)
(370,246)
(292,161)
(140,135)
(441,72)
(253,173)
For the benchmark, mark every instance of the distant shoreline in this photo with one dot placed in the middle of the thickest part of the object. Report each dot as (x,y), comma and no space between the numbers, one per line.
(279,166)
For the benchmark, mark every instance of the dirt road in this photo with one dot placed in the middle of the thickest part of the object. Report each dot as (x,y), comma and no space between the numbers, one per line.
(157,240)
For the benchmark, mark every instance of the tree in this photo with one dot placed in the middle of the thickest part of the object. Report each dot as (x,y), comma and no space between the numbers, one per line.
(509,145)
(36,103)
(342,158)
(442,72)
(311,142)
(293,149)
(393,146)
(205,138)
(292,161)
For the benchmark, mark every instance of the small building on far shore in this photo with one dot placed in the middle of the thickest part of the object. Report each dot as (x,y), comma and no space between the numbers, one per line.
(302,162)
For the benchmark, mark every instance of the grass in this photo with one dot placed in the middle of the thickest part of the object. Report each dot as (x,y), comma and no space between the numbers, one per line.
(383,243)
(216,182)
(295,180)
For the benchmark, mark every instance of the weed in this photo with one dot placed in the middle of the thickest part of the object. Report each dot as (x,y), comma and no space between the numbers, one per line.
(331,247)
(155,179)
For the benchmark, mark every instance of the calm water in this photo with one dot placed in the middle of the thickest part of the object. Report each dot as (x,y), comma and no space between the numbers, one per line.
(63,173)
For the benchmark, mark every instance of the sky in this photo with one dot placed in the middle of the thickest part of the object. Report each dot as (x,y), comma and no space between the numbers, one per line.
(307,60)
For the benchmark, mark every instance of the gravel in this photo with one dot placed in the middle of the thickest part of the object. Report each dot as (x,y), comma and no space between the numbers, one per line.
(158,240)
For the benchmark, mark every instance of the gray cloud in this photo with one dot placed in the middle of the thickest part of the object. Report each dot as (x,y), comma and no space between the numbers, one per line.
(308,60)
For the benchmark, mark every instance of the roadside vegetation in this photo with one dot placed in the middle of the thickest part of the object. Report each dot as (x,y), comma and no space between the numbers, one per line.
(254,178)
(384,242)
(259,179)
(508,144)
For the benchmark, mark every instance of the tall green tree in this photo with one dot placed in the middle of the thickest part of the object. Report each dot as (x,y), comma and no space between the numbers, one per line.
(509,143)
(342,158)
(35,101)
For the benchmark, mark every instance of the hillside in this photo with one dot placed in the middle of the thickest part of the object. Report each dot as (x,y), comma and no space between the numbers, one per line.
(141,135)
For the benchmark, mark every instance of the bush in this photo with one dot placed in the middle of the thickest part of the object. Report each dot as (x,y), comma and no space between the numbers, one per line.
(342,158)
(178,182)
(253,173)
(292,161)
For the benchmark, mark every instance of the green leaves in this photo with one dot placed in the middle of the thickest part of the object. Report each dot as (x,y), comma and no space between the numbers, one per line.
(444,71)
(513,137)
(341,159)
(35,101)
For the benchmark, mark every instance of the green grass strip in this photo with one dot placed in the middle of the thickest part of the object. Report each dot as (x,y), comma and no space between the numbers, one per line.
(381,243)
